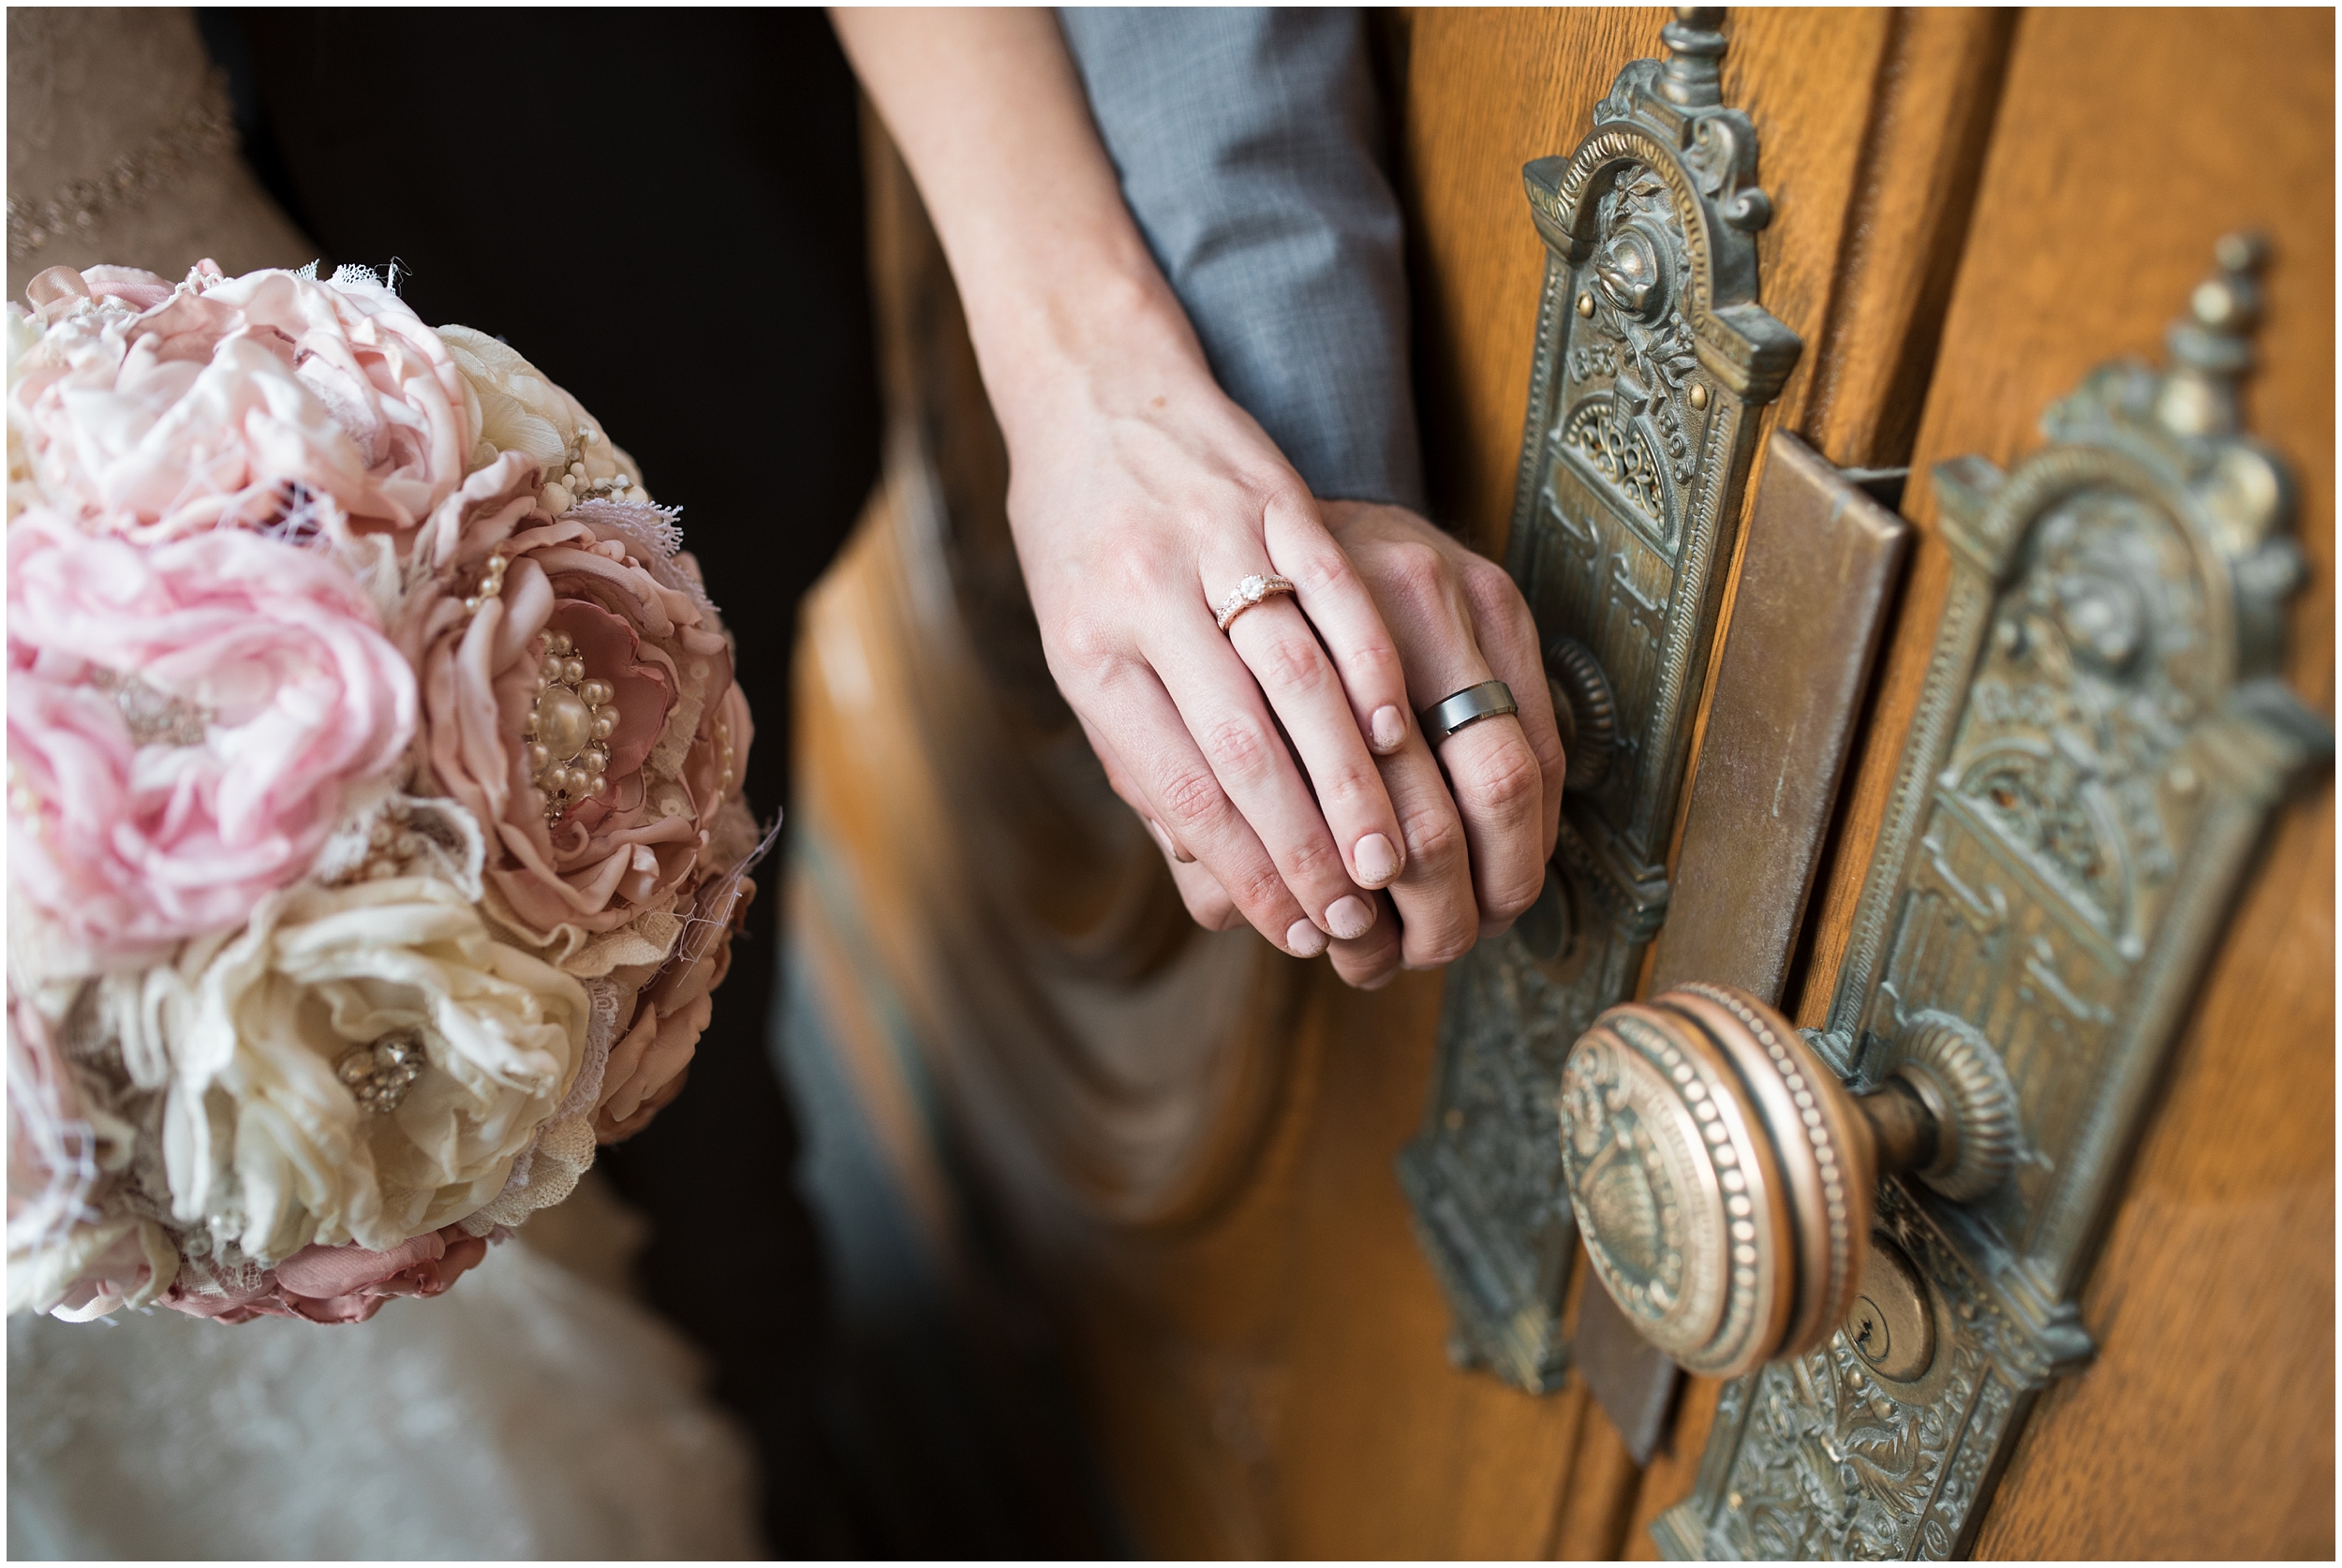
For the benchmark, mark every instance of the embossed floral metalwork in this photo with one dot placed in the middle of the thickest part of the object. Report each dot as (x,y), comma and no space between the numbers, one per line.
(1653,357)
(2100,741)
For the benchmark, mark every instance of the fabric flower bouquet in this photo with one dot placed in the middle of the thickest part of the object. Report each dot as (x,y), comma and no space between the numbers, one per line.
(375,835)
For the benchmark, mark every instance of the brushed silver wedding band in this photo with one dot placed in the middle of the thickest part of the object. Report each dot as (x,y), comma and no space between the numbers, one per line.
(1489,700)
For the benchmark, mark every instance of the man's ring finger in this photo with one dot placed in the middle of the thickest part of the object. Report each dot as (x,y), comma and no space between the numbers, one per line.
(1489,700)
(1246,593)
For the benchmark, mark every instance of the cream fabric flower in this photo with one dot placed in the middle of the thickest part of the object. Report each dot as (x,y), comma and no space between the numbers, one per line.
(264,1134)
(518,409)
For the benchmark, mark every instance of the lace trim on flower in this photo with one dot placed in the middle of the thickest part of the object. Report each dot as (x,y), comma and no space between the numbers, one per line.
(656,539)
(603,1001)
(349,275)
(700,931)
(62,1146)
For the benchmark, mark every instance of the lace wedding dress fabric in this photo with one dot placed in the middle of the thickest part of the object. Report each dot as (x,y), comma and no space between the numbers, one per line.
(526,1413)
(536,1410)
(122,149)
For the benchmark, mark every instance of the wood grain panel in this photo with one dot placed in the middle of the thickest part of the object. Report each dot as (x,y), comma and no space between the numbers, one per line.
(1479,93)
(2105,190)
(1474,94)
(1387,1449)
(2125,143)
(2206,1428)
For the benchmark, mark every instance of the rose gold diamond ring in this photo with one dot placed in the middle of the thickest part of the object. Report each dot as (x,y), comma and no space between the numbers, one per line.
(1249,592)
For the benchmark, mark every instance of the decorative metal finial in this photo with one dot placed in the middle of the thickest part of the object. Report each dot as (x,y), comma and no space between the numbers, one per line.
(1695,41)
(2212,345)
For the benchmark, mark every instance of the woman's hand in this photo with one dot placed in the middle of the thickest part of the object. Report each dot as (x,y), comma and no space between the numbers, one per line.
(1477,838)
(1140,494)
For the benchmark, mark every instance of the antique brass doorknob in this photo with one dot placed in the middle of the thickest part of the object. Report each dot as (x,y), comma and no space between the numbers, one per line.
(1725,1179)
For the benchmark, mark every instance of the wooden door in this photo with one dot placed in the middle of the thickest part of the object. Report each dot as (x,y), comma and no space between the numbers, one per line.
(1182,1145)
(2127,144)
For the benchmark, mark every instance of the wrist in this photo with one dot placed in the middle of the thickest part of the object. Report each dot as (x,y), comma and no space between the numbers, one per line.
(1082,333)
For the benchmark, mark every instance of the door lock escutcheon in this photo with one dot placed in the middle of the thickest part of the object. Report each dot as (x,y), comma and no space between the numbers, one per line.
(1655,361)
(1878,1232)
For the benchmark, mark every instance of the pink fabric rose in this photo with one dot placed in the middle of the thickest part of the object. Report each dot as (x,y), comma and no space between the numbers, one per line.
(339,1284)
(183,725)
(580,704)
(266,399)
(648,1065)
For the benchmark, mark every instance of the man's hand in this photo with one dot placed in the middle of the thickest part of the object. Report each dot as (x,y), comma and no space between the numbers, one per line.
(1478,836)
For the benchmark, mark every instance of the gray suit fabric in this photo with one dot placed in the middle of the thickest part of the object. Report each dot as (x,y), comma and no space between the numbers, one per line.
(1248,144)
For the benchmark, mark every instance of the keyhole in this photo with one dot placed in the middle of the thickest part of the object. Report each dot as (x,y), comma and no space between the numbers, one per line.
(1871,1337)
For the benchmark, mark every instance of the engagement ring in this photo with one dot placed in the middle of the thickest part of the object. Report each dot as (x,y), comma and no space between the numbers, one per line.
(1249,592)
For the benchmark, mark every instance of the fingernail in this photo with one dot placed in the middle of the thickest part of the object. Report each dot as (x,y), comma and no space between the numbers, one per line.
(1349,918)
(1378,862)
(1387,729)
(1305,940)
(1378,982)
(1170,846)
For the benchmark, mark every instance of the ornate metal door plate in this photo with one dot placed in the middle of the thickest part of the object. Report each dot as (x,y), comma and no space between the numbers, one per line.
(1653,360)
(2101,739)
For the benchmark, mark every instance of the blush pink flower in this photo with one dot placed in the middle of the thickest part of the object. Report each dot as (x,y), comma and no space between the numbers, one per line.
(251,401)
(184,723)
(338,1284)
(578,701)
(649,1061)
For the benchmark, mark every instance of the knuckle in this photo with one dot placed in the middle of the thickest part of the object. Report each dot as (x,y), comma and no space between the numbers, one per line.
(1258,890)
(1508,902)
(1440,945)
(1315,858)
(1279,490)
(1322,571)
(1376,666)
(1551,759)
(1495,598)
(1088,641)
(1436,842)
(1351,785)
(1190,799)
(1417,571)
(1236,747)
(1293,662)
(1509,782)
(1487,582)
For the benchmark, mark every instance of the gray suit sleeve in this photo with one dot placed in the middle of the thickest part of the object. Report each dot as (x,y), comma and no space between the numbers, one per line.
(1247,142)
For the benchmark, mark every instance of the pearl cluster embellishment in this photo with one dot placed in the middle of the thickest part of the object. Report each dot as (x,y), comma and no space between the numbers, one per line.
(391,847)
(566,487)
(378,1075)
(568,729)
(726,758)
(491,572)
